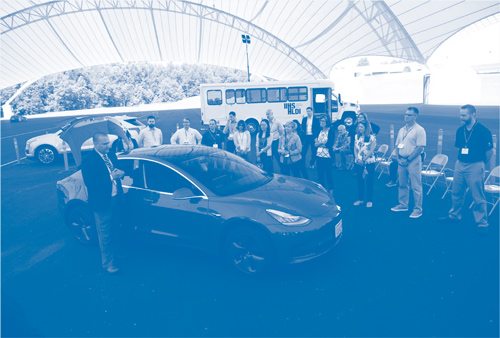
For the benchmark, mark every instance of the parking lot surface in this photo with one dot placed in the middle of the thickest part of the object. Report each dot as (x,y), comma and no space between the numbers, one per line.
(389,276)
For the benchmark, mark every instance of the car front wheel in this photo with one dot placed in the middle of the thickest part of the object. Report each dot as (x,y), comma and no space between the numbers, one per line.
(46,154)
(82,225)
(248,250)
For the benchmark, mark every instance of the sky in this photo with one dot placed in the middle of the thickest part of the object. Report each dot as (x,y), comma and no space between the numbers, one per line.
(452,76)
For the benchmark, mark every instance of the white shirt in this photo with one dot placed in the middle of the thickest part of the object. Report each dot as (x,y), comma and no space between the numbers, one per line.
(183,136)
(309,129)
(114,189)
(409,139)
(150,137)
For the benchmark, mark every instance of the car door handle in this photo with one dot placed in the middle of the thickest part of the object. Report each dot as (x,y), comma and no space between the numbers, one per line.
(215,214)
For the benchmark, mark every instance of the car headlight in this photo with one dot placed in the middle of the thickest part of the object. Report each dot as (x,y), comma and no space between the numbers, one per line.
(288,219)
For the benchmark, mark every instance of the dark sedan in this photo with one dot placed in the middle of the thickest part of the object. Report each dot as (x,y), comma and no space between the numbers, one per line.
(211,199)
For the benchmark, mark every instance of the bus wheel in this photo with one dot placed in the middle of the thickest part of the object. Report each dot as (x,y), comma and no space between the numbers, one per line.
(252,125)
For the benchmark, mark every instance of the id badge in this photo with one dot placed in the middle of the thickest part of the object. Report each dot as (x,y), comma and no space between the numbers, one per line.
(465,151)
(401,146)
(230,136)
(215,145)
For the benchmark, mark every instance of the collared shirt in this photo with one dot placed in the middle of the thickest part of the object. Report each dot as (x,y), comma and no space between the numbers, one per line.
(478,141)
(276,129)
(230,128)
(183,136)
(409,139)
(150,137)
(114,189)
(309,128)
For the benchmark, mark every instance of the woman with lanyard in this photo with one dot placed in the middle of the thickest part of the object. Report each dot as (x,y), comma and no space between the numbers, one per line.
(364,146)
(290,149)
(264,146)
(213,136)
(242,140)
(324,161)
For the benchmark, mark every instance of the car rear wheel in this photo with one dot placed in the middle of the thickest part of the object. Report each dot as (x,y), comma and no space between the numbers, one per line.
(46,154)
(82,225)
(248,250)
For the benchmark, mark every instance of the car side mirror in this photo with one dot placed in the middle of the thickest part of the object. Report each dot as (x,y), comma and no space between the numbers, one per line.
(186,194)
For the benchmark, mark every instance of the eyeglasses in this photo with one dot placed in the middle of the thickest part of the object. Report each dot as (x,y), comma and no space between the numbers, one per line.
(185,121)
(410,114)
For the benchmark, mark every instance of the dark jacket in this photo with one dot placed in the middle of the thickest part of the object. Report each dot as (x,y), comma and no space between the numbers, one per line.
(98,180)
(316,128)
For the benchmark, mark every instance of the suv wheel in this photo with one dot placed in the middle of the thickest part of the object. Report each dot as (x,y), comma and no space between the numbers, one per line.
(46,154)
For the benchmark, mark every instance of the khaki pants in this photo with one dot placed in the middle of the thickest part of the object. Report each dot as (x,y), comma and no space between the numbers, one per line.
(412,174)
(469,175)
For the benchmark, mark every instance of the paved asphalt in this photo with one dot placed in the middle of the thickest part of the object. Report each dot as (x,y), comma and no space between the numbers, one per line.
(390,276)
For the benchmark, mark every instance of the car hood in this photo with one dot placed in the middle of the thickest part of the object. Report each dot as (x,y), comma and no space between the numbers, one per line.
(45,137)
(292,195)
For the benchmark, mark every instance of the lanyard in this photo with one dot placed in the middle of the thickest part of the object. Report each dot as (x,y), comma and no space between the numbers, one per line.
(465,136)
(407,131)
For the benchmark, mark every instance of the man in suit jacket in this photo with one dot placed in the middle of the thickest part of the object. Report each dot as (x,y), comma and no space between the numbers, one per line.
(102,179)
(310,130)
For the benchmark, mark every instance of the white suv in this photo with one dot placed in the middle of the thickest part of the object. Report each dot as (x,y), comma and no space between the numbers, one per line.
(47,148)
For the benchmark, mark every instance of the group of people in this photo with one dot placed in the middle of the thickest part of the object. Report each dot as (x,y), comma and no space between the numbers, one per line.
(288,145)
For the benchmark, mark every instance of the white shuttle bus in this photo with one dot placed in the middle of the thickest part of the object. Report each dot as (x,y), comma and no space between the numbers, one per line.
(287,99)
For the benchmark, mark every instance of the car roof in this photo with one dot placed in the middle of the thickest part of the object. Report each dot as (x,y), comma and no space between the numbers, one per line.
(174,153)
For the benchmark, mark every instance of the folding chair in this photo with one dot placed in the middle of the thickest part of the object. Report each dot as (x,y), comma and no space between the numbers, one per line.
(449,181)
(434,170)
(492,187)
(380,154)
(349,161)
(385,164)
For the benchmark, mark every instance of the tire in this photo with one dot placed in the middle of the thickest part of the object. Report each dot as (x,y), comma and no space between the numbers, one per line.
(248,250)
(348,118)
(252,125)
(406,70)
(81,222)
(46,154)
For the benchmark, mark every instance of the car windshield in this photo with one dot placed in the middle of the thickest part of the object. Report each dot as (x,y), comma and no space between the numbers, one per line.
(224,173)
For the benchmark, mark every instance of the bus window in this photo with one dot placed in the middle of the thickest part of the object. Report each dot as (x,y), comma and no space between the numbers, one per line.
(230,99)
(240,95)
(276,94)
(297,94)
(256,95)
(320,98)
(214,97)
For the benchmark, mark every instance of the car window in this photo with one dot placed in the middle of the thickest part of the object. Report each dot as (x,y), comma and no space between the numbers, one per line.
(159,177)
(224,173)
(133,173)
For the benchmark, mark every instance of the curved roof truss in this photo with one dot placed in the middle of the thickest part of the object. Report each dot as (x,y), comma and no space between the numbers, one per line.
(289,39)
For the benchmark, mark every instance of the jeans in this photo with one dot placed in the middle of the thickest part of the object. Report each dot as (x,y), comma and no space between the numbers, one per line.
(367,181)
(324,166)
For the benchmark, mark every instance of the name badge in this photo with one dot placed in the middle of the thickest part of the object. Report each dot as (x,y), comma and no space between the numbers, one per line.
(401,146)
(215,145)
(230,136)
(465,151)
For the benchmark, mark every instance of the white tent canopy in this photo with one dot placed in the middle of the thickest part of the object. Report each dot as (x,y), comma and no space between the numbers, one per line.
(290,39)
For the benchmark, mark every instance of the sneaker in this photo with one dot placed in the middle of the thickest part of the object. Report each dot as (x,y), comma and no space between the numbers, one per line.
(416,214)
(369,204)
(358,203)
(399,207)
(390,184)
(112,269)
(447,219)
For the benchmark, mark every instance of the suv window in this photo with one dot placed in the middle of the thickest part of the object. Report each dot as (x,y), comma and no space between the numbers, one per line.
(133,173)
(159,177)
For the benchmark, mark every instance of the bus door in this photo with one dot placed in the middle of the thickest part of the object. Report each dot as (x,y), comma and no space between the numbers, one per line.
(321,102)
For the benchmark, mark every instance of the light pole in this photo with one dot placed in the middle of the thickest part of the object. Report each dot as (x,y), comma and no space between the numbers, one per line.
(246,41)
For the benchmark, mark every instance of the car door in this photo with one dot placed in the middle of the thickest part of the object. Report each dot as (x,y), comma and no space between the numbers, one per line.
(183,218)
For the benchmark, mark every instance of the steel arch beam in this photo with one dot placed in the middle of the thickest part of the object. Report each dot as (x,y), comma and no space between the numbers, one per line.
(52,9)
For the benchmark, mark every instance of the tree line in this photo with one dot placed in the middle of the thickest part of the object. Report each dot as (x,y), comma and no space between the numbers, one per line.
(117,85)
